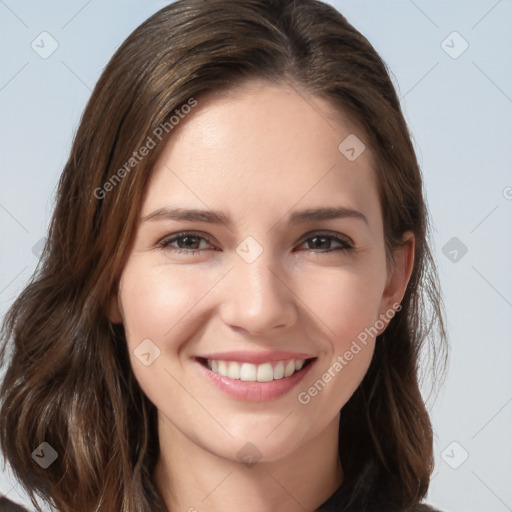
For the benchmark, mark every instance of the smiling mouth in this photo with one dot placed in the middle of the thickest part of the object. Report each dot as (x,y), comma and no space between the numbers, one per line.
(248,372)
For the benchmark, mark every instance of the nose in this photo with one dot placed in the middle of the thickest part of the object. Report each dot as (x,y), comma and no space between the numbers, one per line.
(257,298)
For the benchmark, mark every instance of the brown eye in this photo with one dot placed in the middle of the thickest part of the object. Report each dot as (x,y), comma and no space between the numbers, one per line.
(184,243)
(324,242)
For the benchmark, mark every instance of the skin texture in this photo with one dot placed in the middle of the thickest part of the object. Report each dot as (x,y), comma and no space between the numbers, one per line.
(257,154)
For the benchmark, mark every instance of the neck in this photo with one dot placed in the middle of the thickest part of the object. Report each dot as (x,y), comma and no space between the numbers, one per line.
(191,478)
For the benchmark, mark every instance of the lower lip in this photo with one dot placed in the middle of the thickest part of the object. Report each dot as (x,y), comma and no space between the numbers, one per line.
(255,391)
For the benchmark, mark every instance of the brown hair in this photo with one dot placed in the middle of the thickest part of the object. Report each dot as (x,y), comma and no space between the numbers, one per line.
(69,382)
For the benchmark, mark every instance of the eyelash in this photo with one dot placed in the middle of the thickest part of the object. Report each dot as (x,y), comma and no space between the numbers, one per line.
(346,245)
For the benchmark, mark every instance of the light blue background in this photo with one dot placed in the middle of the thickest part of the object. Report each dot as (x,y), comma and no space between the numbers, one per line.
(460,114)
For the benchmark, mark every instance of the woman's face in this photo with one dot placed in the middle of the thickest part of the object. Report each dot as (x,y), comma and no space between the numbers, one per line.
(260,248)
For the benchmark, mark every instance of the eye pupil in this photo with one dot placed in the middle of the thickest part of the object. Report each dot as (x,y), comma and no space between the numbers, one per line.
(182,241)
(319,245)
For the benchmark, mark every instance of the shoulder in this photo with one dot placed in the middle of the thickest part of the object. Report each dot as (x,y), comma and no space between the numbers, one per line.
(9,506)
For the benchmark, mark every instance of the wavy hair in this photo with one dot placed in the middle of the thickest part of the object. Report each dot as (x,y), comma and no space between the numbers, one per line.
(68,380)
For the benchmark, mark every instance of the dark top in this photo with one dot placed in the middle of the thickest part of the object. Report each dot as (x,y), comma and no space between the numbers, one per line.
(364,493)
(339,499)
(9,506)
(329,505)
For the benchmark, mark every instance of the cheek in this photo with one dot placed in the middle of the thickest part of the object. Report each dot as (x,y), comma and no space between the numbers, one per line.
(159,309)
(346,300)
(347,304)
(155,303)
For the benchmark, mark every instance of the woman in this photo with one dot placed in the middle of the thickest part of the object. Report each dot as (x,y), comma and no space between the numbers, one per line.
(237,282)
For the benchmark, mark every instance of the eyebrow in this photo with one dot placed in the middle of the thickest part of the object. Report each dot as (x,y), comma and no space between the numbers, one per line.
(216,217)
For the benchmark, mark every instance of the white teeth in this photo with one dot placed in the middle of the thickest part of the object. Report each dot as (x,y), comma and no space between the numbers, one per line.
(289,369)
(265,373)
(248,372)
(251,372)
(279,370)
(223,368)
(234,371)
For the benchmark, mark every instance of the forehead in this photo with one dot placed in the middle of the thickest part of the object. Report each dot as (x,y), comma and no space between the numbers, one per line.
(264,148)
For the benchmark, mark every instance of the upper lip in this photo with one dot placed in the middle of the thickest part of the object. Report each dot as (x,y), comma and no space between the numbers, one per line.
(255,357)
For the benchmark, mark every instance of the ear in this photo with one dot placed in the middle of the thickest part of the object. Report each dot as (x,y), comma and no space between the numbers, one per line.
(399,273)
